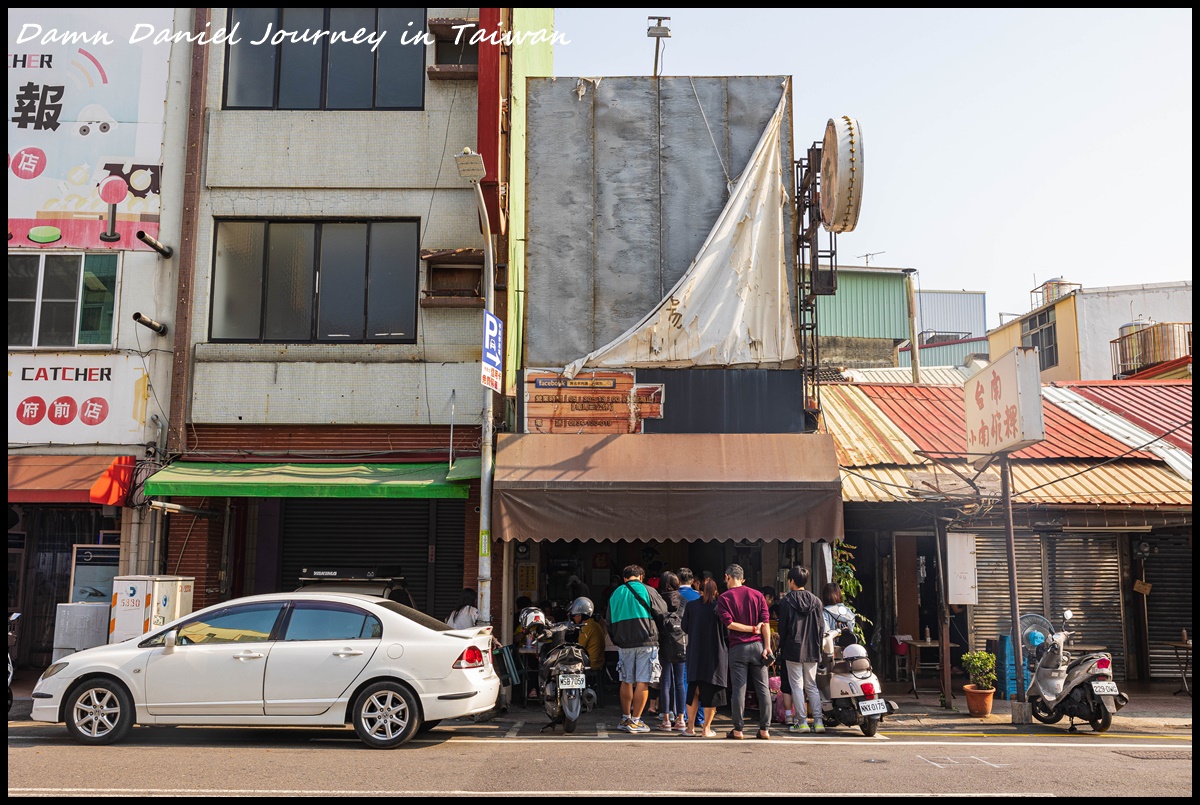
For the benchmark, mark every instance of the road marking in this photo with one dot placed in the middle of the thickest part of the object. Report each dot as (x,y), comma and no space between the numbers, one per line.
(463,793)
(516,728)
(948,762)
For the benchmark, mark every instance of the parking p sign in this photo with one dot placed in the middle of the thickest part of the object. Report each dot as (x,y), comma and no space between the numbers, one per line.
(493,352)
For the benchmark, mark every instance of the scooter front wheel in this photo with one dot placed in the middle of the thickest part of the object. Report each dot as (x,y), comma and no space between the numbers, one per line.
(1044,714)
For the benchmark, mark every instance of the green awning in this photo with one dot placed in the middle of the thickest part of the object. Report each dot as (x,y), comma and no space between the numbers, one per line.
(464,469)
(212,479)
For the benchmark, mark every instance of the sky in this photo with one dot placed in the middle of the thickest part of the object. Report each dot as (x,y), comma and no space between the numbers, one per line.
(1003,148)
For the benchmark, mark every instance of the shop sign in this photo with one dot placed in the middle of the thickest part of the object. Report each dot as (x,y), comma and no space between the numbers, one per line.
(1004,405)
(69,398)
(603,401)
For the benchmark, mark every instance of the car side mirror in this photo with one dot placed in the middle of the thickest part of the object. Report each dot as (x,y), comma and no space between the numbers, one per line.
(169,641)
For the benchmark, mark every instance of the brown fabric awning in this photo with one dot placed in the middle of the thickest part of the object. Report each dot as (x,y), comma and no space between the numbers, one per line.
(66,479)
(666,486)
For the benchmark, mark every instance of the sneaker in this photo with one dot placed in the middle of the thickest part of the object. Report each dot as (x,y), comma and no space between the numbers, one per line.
(818,727)
(638,726)
(681,724)
(799,728)
(626,724)
(666,726)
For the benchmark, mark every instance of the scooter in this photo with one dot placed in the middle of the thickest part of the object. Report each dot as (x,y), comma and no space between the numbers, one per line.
(1081,687)
(561,677)
(12,643)
(850,691)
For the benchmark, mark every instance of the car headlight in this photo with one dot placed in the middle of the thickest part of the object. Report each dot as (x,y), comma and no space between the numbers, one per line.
(53,669)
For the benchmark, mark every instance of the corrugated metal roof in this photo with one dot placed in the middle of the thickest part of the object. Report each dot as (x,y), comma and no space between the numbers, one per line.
(1155,405)
(1124,483)
(933,417)
(930,375)
(862,434)
(1120,428)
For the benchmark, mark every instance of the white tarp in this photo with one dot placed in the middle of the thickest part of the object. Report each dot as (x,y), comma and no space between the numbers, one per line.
(731,308)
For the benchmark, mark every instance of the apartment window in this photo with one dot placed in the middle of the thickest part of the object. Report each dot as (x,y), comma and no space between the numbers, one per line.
(1039,331)
(350,282)
(61,300)
(298,66)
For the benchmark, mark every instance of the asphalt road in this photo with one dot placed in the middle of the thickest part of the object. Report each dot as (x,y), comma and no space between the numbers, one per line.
(512,756)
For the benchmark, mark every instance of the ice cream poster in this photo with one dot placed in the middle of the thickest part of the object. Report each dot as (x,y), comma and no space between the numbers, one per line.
(85,127)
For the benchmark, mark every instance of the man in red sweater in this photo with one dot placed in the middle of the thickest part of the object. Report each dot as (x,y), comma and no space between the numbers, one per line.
(743,610)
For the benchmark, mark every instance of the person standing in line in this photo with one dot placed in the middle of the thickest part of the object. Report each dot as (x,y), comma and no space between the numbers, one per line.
(837,615)
(801,620)
(743,610)
(707,661)
(633,611)
(465,614)
(672,655)
(687,587)
(772,602)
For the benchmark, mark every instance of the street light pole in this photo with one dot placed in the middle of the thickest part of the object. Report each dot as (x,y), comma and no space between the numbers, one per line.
(471,168)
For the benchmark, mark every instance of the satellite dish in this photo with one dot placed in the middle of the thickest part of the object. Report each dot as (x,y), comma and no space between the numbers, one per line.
(841,174)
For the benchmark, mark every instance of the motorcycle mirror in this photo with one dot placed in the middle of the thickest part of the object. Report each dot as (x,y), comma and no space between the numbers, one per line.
(1067,615)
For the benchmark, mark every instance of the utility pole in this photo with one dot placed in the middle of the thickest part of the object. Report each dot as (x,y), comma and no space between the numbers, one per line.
(658,32)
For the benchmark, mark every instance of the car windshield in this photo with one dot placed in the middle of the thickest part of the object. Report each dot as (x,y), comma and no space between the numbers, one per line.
(416,615)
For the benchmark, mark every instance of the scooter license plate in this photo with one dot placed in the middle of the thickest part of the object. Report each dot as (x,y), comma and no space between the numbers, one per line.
(1105,688)
(571,682)
(873,707)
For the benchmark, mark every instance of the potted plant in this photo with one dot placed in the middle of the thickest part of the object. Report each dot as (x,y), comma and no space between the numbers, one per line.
(981,668)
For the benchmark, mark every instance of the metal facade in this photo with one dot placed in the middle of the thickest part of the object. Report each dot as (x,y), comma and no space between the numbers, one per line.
(870,303)
(626,177)
(952,312)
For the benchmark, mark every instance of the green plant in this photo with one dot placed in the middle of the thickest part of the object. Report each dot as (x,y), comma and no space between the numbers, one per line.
(843,575)
(981,668)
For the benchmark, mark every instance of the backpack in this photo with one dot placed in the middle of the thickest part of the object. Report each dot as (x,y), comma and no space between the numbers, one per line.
(673,623)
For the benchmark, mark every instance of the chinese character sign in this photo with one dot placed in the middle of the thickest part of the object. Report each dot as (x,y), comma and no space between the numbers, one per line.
(86,111)
(66,398)
(493,352)
(1004,405)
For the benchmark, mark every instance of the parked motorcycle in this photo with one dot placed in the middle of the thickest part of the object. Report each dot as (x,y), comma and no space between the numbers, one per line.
(562,681)
(12,644)
(850,691)
(1062,685)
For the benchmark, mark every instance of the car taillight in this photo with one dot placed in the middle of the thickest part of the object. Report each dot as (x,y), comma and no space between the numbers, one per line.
(868,690)
(471,658)
(1104,663)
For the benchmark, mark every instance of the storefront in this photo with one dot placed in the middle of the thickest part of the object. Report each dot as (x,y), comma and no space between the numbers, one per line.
(587,505)
(277,519)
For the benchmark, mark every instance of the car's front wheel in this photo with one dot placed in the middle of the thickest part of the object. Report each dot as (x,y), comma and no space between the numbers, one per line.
(386,714)
(99,711)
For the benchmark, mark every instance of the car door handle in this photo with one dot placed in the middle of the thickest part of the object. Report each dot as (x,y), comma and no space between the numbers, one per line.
(348,652)
(248,655)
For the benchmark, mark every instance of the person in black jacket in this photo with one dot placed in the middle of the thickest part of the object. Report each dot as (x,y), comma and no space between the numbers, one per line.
(707,660)
(672,655)
(800,627)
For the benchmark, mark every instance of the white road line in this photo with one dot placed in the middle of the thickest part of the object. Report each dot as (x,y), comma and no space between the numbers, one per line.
(462,793)
(516,729)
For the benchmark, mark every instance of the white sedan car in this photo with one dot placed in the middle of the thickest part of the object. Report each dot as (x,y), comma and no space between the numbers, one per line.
(284,659)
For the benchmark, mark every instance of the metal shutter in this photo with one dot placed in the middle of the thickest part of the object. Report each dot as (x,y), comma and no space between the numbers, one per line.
(1169,605)
(447,568)
(1084,575)
(992,616)
(332,532)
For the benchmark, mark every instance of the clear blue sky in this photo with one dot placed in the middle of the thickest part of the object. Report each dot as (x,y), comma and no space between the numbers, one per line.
(1003,148)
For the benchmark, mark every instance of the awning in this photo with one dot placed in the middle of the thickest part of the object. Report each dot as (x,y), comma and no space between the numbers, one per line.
(211,479)
(69,479)
(694,486)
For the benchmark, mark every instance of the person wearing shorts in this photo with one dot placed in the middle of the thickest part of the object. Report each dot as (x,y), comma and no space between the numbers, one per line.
(634,611)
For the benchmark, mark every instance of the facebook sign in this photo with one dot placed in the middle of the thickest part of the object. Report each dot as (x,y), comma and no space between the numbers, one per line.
(493,352)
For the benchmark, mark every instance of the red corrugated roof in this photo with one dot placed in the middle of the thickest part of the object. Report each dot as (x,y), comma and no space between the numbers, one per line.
(933,417)
(1157,406)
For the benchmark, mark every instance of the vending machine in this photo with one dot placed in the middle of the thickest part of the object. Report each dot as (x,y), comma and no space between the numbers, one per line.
(143,603)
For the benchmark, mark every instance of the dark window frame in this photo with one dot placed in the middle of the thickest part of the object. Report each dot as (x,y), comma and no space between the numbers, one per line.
(391,39)
(107,312)
(314,337)
(1041,330)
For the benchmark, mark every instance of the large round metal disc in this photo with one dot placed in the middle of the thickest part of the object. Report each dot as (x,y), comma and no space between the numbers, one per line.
(841,174)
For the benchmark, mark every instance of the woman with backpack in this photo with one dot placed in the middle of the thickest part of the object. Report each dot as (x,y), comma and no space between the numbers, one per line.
(672,655)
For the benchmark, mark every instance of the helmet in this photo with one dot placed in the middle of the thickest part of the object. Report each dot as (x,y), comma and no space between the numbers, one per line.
(853,652)
(581,606)
(531,616)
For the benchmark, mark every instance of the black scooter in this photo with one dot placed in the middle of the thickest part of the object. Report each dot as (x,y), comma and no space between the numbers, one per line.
(561,675)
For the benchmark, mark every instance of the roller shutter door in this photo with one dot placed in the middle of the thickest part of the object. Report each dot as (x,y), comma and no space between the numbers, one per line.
(992,616)
(1084,576)
(373,533)
(1169,605)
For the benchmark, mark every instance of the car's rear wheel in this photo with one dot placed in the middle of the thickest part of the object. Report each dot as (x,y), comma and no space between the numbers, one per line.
(386,714)
(98,712)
